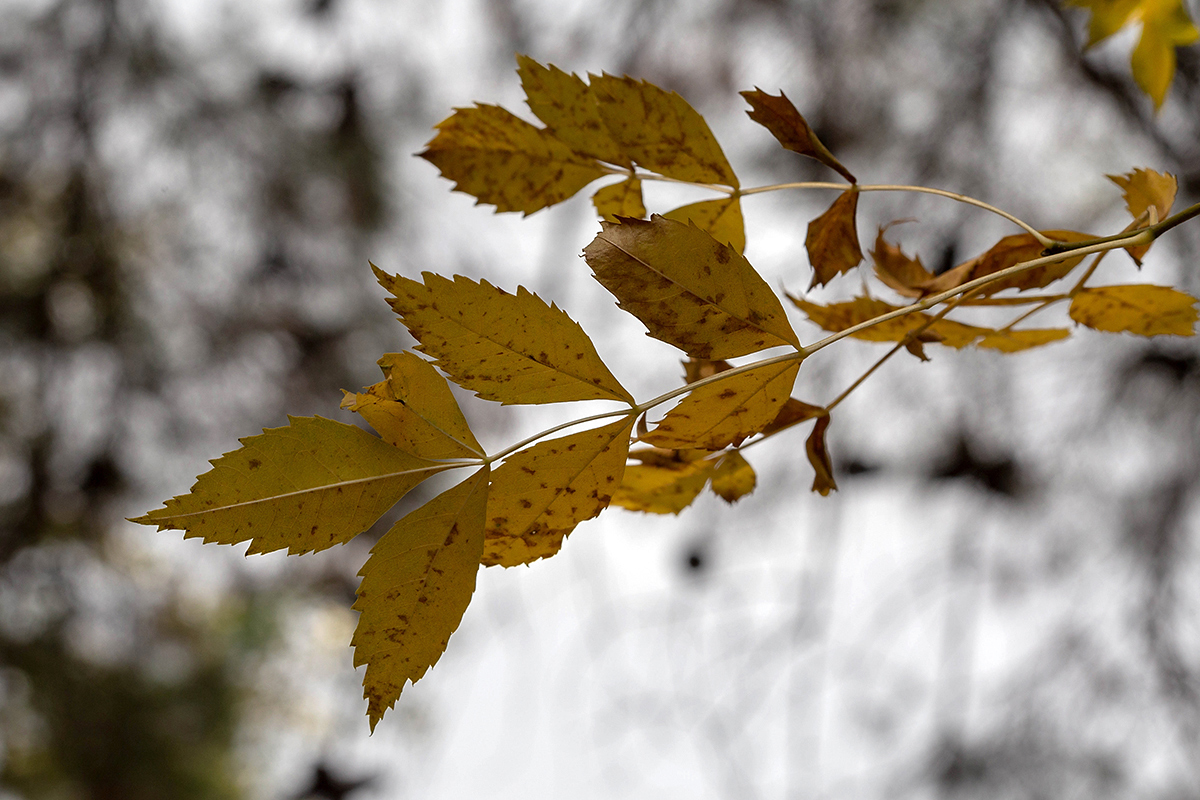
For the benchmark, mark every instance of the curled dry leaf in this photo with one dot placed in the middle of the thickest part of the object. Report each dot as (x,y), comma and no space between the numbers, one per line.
(780,117)
(1009,252)
(1149,196)
(832,240)
(905,275)
(793,412)
(818,456)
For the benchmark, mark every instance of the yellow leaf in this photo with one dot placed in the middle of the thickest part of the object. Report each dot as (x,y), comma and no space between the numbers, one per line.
(689,290)
(500,159)
(504,347)
(1008,252)
(415,587)
(1108,16)
(539,495)
(414,409)
(720,219)
(840,316)
(662,488)
(1145,189)
(660,131)
(780,117)
(566,104)
(832,240)
(733,477)
(306,487)
(903,274)
(1013,341)
(818,456)
(622,199)
(728,411)
(1142,309)
(1165,26)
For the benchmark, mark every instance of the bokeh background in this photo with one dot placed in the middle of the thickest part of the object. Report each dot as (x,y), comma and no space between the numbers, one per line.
(1002,601)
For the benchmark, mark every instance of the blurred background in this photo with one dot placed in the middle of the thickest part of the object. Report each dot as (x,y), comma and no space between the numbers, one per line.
(1002,601)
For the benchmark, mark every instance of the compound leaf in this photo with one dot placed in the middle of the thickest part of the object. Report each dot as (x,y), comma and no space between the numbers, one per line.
(566,104)
(622,199)
(728,411)
(307,486)
(780,117)
(720,219)
(733,478)
(539,495)
(500,159)
(415,588)
(689,290)
(660,131)
(504,347)
(414,409)
(832,240)
(1141,309)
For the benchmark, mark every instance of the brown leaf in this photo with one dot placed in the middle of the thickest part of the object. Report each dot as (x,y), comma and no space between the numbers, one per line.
(1008,252)
(792,413)
(898,271)
(1145,189)
(832,240)
(780,117)
(688,289)
(818,456)
(695,369)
